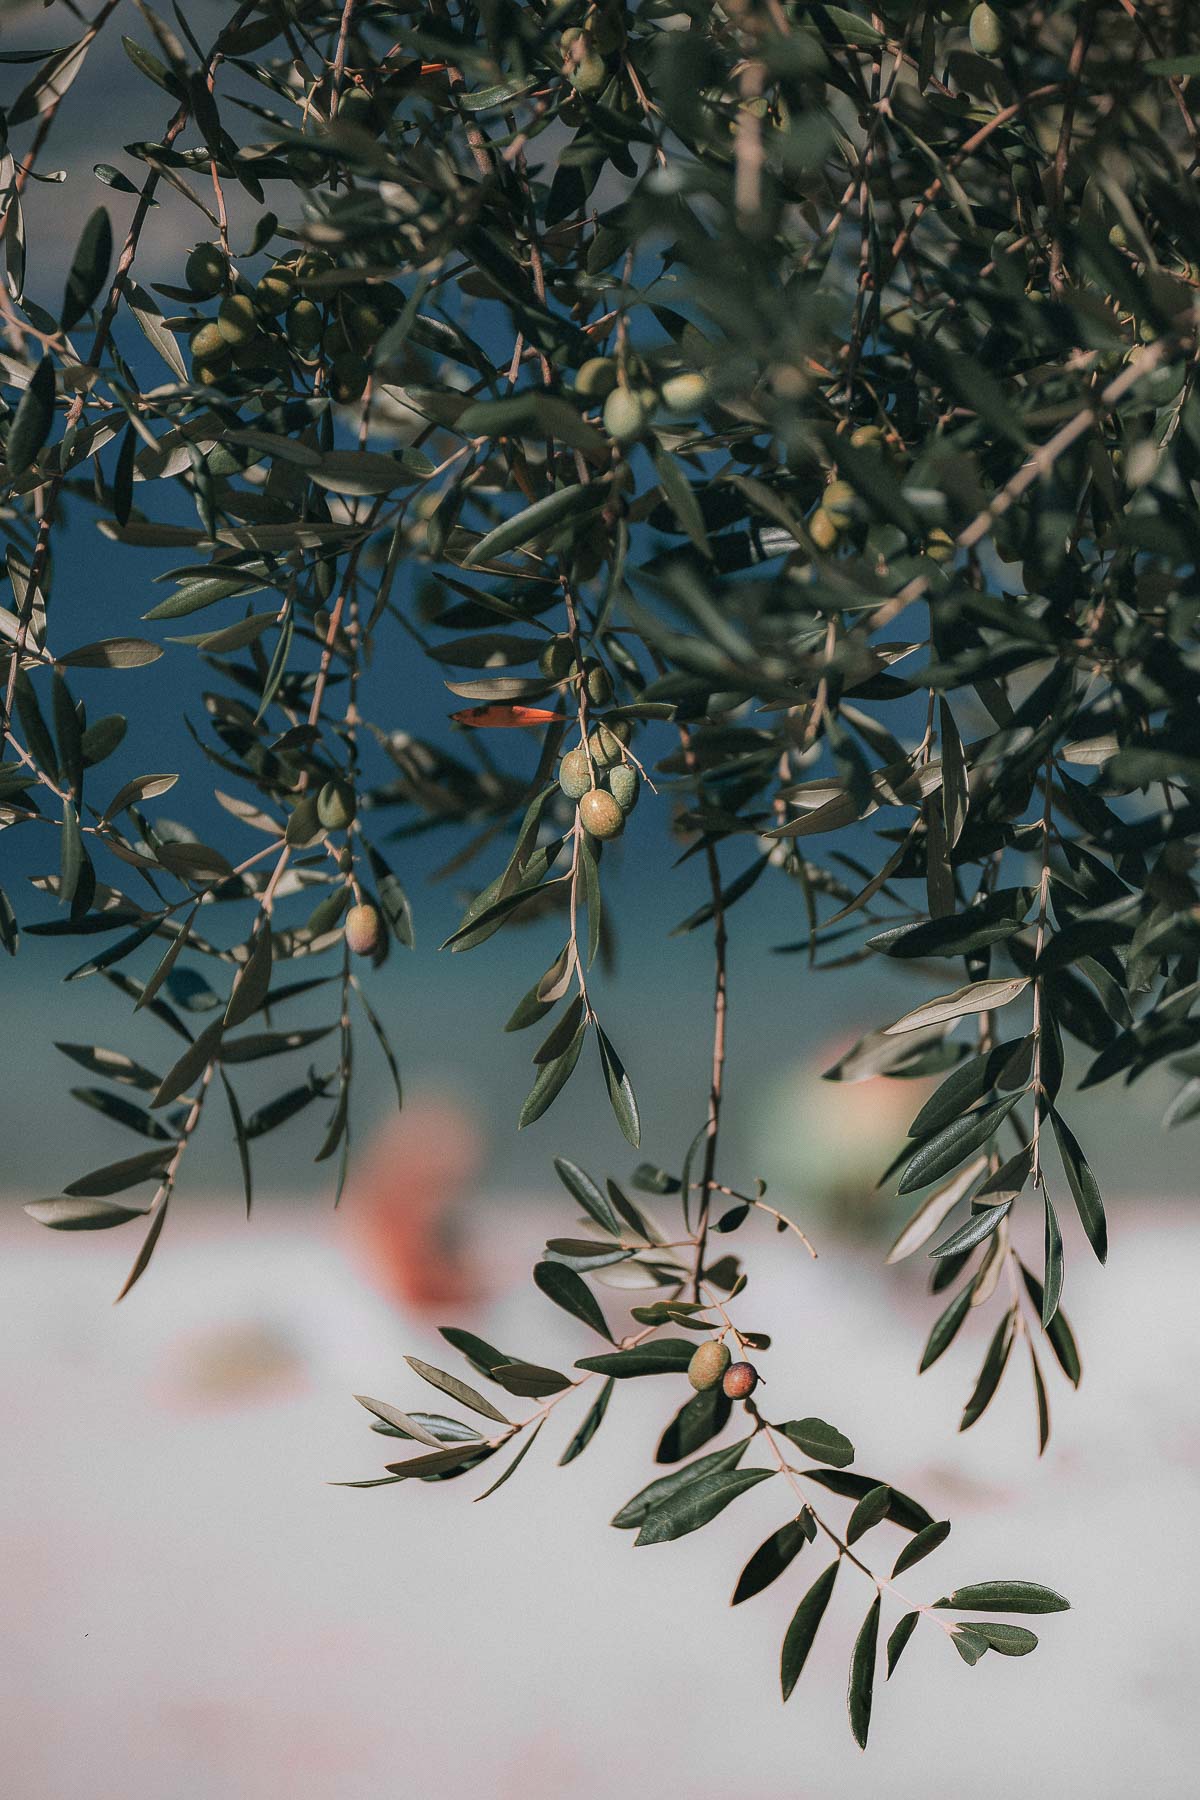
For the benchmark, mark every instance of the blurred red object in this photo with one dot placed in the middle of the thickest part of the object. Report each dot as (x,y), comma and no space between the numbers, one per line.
(404,1206)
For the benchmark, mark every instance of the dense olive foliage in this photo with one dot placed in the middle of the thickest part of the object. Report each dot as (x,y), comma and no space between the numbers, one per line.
(785,408)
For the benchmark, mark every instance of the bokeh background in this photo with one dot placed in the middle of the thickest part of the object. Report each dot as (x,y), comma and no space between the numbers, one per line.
(190,1609)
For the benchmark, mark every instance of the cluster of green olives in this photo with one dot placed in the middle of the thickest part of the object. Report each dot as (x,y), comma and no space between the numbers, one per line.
(712,1366)
(558,663)
(603,785)
(244,333)
(835,511)
(630,407)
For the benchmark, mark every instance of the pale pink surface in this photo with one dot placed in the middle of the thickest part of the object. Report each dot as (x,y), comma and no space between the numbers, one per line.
(189,1611)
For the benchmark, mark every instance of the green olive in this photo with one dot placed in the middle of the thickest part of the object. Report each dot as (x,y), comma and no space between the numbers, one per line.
(336,805)
(206,270)
(304,326)
(708,1365)
(274,290)
(600,815)
(624,784)
(684,393)
(590,74)
(325,578)
(237,320)
(364,930)
(838,502)
(356,107)
(626,415)
(574,774)
(209,345)
(824,529)
(596,378)
(986,31)
(347,378)
(557,659)
(599,683)
(364,325)
(607,745)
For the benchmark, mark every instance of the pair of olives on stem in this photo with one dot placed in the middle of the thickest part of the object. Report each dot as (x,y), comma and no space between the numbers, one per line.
(712,1366)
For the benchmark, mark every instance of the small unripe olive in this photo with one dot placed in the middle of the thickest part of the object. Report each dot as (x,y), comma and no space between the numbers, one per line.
(206,270)
(708,1365)
(364,930)
(237,320)
(838,502)
(596,378)
(574,775)
(589,74)
(986,31)
(325,579)
(824,529)
(347,378)
(684,393)
(939,545)
(599,684)
(345,859)
(336,805)
(606,746)
(337,340)
(1117,236)
(866,437)
(625,784)
(304,326)
(208,345)
(625,415)
(557,658)
(600,815)
(356,107)
(364,325)
(739,1381)
(274,290)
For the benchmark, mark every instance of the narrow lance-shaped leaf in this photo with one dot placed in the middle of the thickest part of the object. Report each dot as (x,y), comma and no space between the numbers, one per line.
(899,1638)
(770,1561)
(592,1421)
(89,267)
(458,1390)
(862,1674)
(620,1090)
(698,1503)
(947,1148)
(1084,1191)
(1005,1596)
(35,416)
(635,1512)
(571,1292)
(803,1629)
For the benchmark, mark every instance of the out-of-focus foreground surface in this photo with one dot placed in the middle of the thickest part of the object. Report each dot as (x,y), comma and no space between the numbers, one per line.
(191,1611)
